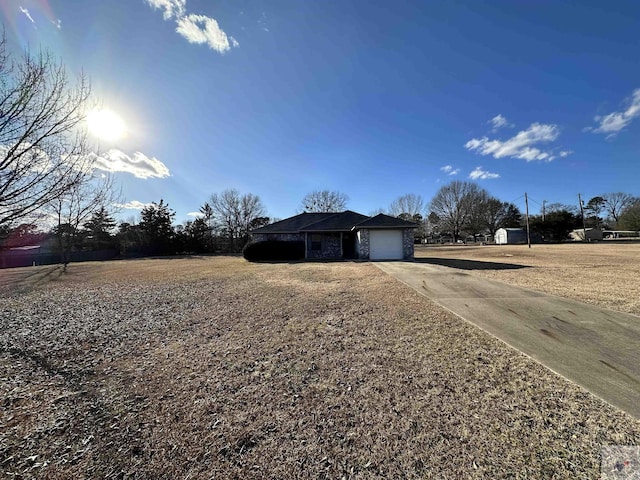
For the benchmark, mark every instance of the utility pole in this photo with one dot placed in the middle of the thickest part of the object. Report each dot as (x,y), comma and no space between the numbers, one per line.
(526,202)
(584,226)
(543,210)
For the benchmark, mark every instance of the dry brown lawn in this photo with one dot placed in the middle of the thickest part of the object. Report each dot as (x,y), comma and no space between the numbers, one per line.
(217,368)
(606,274)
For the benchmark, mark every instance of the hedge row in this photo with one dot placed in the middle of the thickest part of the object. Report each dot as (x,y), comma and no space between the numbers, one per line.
(271,250)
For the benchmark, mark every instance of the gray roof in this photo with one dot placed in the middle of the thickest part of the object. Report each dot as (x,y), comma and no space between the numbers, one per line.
(340,222)
(333,222)
(385,221)
(293,224)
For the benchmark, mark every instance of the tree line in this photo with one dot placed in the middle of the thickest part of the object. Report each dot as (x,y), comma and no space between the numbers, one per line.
(223,225)
(463,209)
(459,210)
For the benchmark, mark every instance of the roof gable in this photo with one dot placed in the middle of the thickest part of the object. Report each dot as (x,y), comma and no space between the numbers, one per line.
(385,221)
(333,222)
(340,222)
(293,224)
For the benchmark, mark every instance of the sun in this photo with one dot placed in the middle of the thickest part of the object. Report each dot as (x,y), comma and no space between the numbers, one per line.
(106,124)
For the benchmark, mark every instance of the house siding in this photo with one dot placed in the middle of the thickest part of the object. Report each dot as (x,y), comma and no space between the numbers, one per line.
(331,246)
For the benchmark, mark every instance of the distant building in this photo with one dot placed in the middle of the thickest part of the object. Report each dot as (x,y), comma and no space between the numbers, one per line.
(510,236)
(617,234)
(590,235)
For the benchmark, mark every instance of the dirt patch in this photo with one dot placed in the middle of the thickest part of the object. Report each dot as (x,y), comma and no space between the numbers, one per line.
(214,367)
(603,274)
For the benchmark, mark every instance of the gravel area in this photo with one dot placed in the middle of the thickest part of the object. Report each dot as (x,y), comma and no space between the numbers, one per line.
(211,367)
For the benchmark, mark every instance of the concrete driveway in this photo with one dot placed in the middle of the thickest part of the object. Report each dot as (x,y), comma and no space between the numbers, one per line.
(596,348)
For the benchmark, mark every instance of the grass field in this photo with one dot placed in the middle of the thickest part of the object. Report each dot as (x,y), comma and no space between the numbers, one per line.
(603,273)
(211,367)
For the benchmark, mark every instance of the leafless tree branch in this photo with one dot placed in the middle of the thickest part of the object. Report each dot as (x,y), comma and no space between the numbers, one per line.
(43,145)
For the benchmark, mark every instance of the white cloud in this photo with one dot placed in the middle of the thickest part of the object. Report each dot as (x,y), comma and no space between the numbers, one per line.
(195,214)
(449,170)
(27,14)
(198,29)
(132,205)
(479,174)
(139,165)
(519,146)
(499,121)
(614,122)
(172,8)
(201,29)
(565,153)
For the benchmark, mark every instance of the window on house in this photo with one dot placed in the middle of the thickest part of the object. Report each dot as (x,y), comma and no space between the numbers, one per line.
(316,242)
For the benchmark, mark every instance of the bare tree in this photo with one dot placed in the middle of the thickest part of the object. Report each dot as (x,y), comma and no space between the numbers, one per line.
(42,143)
(324,201)
(409,204)
(630,216)
(75,206)
(562,207)
(235,213)
(453,205)
(497,214)
(251,209)
(615,203)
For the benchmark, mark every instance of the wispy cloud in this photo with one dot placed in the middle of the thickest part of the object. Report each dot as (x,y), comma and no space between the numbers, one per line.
(139,165)
(198,29)
(132,205)
(170,8)
(614,122)
(523,145)
(499,122)
(449,170)
(27,14)
(195,214)
(479,174)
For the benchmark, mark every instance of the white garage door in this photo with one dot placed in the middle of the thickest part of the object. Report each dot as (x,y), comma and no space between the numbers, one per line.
(385,244)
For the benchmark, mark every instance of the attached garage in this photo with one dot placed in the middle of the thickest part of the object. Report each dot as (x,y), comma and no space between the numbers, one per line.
(385,245)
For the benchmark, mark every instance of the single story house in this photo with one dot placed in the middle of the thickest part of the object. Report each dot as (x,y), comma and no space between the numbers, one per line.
(344,235)
(509,236)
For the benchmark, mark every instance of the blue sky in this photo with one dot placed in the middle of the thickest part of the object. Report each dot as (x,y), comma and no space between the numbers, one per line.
(374,99)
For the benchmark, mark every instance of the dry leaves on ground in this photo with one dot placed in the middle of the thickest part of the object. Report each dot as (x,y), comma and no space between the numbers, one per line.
(216,368)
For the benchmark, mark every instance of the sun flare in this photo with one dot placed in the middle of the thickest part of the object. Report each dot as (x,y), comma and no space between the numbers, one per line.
(106,124)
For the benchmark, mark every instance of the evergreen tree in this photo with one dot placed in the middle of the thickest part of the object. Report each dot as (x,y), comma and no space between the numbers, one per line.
(99,230)
(157,229)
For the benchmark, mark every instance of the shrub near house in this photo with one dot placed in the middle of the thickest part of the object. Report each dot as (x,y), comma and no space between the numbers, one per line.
(274,250)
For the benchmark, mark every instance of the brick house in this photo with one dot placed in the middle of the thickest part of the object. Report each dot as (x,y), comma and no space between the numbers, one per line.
(344,235)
